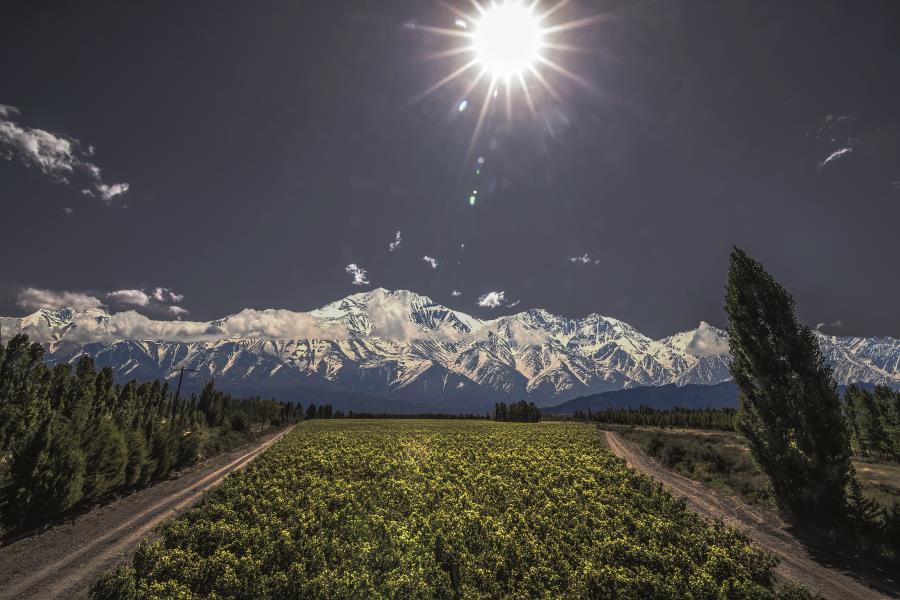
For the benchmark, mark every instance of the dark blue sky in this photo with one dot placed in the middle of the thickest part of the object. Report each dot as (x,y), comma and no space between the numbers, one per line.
(269,144)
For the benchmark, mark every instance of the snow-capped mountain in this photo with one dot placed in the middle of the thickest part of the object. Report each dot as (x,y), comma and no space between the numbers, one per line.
(401,344)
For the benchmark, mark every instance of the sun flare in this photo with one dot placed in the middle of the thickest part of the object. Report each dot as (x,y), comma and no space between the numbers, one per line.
(507,39)
(509,47)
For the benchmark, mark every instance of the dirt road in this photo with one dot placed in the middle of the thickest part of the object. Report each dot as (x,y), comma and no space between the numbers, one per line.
(796,564)
(64,561)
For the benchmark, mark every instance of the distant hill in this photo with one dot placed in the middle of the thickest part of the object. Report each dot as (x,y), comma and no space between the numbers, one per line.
(662,397)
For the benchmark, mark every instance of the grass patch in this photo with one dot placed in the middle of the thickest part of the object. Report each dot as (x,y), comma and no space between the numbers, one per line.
(722,461)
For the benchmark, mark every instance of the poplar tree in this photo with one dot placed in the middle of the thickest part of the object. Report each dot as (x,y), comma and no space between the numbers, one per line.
(790,411)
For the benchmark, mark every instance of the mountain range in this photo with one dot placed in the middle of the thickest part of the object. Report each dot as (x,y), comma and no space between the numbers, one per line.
(404,348)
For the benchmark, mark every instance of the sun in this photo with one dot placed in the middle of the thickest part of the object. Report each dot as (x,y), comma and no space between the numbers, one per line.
(507,39)
(510,47)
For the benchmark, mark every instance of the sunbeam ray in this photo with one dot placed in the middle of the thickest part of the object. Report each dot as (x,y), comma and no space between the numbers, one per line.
(578,23)
(456,11)
(527,93)
(508,101)
(471,86)
(552,10)
(477,6)
(568,48)
(563,71)
(488,97)
(444,31)
(444,81)
(444,54)
(537,75)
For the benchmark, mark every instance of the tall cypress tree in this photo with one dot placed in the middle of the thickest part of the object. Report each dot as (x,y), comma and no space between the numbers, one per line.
(790,408)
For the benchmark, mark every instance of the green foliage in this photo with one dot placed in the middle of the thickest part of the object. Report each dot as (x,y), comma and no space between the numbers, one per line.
(706,418)
(719,460)
(190,447)
(46,475)
(441,509)
(70,437)
(239,423)
(873,419)
(518,412)
(790,409)
(140,467)
(106,454)
(367,415)
(863,512)
(162,450)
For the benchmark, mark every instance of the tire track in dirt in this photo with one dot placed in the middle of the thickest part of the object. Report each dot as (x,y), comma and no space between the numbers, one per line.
(65,560)
(796,565)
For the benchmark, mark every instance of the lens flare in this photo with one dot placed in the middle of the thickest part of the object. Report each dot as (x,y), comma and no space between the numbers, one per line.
(507,39)
(508,47)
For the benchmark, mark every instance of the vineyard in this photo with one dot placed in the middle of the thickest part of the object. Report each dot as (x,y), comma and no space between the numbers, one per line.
(441,509)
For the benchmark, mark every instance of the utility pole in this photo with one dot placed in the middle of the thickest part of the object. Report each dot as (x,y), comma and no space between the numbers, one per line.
(178,390)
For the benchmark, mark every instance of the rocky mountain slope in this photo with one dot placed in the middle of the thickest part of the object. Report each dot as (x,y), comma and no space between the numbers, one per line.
(398,344)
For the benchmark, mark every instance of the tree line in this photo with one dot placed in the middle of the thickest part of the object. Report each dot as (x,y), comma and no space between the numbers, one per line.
(521,412)
(871,417)
(70,437)
(722,419)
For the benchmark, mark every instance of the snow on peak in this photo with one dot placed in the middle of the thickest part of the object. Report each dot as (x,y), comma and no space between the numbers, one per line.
(383,341)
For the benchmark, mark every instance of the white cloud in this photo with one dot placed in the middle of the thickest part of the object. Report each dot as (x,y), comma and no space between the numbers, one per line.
(35,299)
(838,323)
(431,261)
(829,123)
(53,155)
(834,156)
(56,156)
(279,324)
(359,274)
(396,243)
(513,304)
(159,300)
(68,210)
(455,293)
(108,192)
(131,325)
(162,294)
(583,259)
(389,319)
(492,299)
(707,341)
(130,297)
(525,336)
